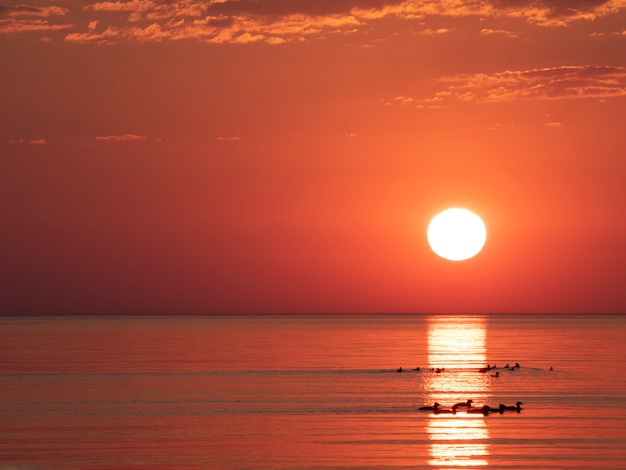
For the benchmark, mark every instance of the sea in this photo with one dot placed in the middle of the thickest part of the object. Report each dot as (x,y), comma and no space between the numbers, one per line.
(312,392)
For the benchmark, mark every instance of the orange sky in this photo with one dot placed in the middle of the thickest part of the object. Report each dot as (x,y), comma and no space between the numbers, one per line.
(286,156)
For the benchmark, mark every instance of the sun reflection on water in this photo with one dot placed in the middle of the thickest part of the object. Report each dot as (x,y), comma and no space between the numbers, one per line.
(456,350)
(457,342)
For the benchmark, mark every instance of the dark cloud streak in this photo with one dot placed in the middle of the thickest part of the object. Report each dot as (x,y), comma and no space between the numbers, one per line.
(295,7)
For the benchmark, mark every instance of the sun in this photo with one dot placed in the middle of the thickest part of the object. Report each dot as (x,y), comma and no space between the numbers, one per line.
(456,234)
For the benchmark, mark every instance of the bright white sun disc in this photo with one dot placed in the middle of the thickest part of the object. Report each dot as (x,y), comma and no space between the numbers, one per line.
(456,234)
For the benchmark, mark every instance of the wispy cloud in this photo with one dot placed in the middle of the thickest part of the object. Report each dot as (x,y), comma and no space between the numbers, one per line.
(612,33)
(21,26)
(565,82)
(234,138)
(40,141)
(22,18)
(498,32)
(126,6)
(400,100)
(23,10)
(278,22)
(430,31)
(218,30)
(151,32)
(121,138)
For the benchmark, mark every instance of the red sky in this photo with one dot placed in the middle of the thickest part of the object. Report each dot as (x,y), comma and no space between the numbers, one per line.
(190,156)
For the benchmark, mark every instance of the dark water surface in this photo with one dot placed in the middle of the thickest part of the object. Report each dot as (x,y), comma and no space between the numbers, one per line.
(311,391)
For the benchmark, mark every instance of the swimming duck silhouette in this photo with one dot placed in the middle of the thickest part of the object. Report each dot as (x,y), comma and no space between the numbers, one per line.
(467,403)
(484,410)
(517,407)
(435,407)
(446,410)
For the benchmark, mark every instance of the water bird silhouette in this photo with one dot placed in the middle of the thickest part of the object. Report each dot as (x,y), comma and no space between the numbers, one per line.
(517,407)
(445,410)
(484,410)
(467,403)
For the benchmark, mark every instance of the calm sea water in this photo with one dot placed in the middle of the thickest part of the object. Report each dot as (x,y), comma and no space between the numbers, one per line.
(311,392)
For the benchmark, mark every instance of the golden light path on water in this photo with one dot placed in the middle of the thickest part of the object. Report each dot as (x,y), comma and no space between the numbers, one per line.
(457,347)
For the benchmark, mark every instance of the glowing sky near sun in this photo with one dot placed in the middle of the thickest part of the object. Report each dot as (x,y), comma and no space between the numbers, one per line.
(287,156)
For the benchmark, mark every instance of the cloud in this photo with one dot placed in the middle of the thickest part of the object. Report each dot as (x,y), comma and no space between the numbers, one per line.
(282,21)
(23,18)
(121,138)
(499,32)
(230,139)
(151,32)
(217,29)
(564,82)
(15,11)
(13,26)
(41,141)
(281,8)
(129,5)
(400,100)
(433,102)
(613,33)
(430,31)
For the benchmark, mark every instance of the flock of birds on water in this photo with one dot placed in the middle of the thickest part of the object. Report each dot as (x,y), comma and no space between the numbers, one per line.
(468,406)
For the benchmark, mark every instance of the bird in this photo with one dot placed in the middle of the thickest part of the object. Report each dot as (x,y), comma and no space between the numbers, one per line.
(446,410)
(435,407)
(467,403)
(497,374)
(517,407)
(484,410)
